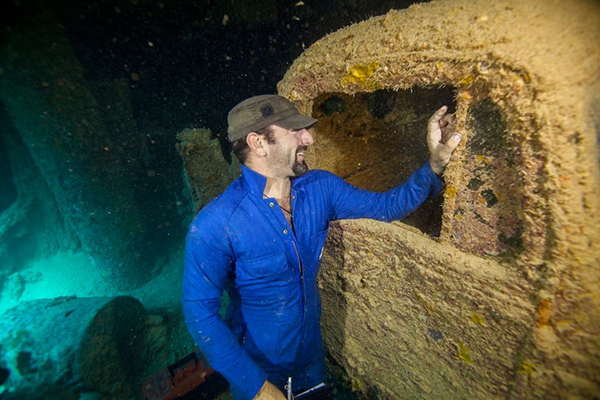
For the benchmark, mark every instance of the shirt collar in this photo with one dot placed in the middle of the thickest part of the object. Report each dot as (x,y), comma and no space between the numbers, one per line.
(254,183)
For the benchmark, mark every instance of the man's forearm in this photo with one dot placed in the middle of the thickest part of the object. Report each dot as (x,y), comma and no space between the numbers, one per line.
(350,202)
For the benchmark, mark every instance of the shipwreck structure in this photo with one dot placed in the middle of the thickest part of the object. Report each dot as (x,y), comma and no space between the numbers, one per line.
(493,292)
(75,161)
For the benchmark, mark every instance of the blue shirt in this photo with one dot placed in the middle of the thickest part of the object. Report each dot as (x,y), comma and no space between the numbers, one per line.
(242,241)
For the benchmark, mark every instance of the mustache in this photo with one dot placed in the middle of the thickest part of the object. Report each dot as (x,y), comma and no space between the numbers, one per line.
(301,149)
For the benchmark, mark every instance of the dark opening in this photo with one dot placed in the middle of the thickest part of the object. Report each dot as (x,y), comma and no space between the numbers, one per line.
(4,374)
(8,193)
(25,363)
(377,140)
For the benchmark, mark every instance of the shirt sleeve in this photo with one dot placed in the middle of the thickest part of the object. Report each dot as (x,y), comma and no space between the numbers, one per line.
(208,261)
(349,202)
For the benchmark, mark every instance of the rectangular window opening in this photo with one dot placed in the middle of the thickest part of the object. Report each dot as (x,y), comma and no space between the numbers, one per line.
(376,140)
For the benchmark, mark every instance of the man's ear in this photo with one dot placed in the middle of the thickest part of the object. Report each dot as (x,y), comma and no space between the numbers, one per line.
(256,144)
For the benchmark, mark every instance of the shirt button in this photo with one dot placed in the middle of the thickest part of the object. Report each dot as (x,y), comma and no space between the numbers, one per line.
(293,197)
(272,204)
(285,231)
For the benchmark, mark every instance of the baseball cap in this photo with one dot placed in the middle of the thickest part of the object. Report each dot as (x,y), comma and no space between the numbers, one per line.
(258,112)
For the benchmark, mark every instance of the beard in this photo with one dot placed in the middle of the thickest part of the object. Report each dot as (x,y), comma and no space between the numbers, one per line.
(282,163)
(299,168)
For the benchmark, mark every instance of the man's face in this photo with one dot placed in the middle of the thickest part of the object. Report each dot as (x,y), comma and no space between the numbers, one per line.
(287,153)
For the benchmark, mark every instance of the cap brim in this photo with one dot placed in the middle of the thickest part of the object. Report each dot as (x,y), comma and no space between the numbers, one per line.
(296,122)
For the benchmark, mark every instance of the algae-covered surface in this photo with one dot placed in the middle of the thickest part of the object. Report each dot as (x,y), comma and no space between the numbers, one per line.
(505,302)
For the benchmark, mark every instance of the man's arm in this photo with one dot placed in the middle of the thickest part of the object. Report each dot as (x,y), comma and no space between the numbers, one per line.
(208,260)
(349,202)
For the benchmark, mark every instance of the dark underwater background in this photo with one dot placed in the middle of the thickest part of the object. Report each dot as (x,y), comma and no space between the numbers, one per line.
(94,205)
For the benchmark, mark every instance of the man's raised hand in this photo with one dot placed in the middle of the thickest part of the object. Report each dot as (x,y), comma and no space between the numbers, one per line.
(441,140)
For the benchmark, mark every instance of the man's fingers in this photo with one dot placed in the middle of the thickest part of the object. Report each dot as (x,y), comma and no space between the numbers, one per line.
(448,118)
(434,131)
(454,141)
(435,118)
(448,148)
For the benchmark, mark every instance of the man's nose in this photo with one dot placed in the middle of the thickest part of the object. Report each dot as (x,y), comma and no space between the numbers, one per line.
(306,138)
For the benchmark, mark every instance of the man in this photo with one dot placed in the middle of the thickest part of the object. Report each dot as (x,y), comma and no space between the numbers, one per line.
(262,239)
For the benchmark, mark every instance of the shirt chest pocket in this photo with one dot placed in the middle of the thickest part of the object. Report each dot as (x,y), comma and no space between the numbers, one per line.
(266,267)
